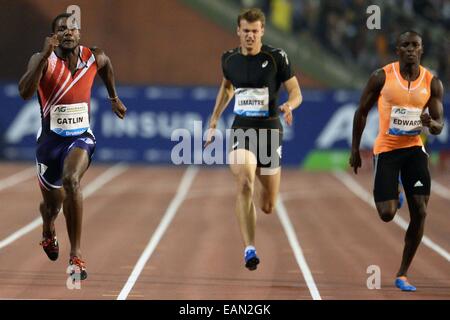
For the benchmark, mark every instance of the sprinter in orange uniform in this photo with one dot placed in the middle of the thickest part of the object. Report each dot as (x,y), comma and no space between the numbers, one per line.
(404,90)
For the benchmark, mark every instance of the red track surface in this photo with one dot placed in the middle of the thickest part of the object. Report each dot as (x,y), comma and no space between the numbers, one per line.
(200,254)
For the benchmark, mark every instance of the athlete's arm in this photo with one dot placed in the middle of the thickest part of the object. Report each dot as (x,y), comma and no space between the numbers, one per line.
(106,73)
(226,93)
(294,100)
(435,119)
(368,98)
(29,82)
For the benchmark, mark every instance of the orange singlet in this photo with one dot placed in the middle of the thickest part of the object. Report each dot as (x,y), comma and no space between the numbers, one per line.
(400,109)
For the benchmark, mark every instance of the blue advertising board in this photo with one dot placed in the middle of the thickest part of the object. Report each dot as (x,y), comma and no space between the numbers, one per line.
(159,118)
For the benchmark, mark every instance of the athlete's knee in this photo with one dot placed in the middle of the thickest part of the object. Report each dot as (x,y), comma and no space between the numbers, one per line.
(50,209)
(245,185)
(386,214)
(71,183)
(419,213)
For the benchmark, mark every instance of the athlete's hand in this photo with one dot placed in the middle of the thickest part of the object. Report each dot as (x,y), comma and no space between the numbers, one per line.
(209,138)
(50,45)
(355,160)
(286,109)
(118,108)
(426,120)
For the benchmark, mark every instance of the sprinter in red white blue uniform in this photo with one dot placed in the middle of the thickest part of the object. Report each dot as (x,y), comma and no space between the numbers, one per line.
(63,74)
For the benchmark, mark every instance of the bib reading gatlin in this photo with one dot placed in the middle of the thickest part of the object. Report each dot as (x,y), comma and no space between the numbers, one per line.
(69,119)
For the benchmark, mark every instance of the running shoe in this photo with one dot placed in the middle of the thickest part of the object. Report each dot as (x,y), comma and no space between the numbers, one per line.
(51,247)
(403,284)
(251,259)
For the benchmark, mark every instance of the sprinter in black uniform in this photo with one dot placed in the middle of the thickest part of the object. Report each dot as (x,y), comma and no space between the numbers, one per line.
(253,74)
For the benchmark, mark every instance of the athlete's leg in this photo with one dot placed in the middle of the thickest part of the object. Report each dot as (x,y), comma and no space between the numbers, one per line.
(387,170)
(49,208)
(417,184)
(243,166)
(75,165)
(270,185)
(417,205)
(387,209)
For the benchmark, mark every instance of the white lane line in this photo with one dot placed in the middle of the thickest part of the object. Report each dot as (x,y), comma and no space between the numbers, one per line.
(359,191)
(440,189)
(88,190)
(172,209)
(295,245)
(17,178)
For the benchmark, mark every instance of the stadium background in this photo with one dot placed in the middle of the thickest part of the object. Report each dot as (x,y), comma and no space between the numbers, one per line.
(166,57)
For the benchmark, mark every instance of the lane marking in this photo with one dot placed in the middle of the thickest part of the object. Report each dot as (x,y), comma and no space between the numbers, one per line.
(440,190)
(295,245)
(170,213)
(17,178)
(350,182)
(88,190)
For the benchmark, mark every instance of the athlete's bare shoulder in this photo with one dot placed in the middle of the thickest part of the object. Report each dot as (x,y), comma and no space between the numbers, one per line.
(437,89)
(36,58)
(97,51)
(100,56)
(377,79)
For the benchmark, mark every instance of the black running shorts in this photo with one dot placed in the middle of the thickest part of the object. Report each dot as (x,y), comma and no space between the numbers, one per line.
(265,144)
(412,166)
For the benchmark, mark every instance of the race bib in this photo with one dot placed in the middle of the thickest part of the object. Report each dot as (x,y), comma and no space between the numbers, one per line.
(405,121)
(252,102)
(69,119)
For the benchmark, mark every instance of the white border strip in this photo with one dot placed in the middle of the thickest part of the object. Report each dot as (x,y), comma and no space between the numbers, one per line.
(295,245)
(17,178)
(90,189)
(359,191)
(172,209)
(440,189)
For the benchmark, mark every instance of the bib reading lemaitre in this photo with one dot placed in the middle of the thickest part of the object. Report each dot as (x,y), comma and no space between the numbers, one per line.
(65,97)
(400,107)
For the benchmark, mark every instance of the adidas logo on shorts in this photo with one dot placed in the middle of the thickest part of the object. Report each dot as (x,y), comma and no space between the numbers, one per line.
(418,184)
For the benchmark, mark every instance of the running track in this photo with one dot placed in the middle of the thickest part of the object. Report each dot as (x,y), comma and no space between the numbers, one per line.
(171,233)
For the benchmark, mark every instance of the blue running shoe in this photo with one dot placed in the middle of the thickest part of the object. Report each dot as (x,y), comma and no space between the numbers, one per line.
(251,259)
(404,285)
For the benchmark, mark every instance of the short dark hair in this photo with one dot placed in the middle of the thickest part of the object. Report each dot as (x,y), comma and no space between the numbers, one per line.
(59,16)
(413,32)
(252,15)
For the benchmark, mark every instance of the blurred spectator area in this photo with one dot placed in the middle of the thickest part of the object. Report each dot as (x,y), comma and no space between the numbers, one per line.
(169,42)
(149,41)
(340,28)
